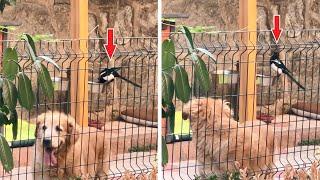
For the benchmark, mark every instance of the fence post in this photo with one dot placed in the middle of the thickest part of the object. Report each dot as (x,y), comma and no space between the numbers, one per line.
(247,92)
(79,67)
(3,37)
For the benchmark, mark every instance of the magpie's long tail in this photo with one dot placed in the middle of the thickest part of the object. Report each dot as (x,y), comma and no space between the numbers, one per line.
(294,80)
(133,83)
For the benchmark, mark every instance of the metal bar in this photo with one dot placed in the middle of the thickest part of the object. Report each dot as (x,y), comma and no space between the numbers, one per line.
(176,15)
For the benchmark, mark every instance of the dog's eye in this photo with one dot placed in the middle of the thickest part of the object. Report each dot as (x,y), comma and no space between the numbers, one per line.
(44,127)
(58,128)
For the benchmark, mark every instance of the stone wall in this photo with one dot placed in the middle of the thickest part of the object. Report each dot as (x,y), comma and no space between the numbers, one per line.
(296,14)
(129,17)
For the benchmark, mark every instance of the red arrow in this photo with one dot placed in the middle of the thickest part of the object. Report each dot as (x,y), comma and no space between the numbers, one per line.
(110,47)
(276,31)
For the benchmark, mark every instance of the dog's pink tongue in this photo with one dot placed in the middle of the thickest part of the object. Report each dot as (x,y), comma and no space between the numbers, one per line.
(50,159)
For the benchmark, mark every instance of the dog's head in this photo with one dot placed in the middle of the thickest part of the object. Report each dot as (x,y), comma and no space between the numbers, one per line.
(55,132)
(208,110)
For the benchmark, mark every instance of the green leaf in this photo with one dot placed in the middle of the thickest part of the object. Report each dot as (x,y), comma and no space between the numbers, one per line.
(31,46)
(167,87)
(1,98)
(45,81)
(171,112)
(163,113)
(182,87)
(188,37)
(26,96)
(11,2)
(201,73)
(204,51)
(14,121)
(49,60)
(3,4)
(10,63)
(164,152)
(5,109)
(3,119)
(168,55)
(6,157)
(9,94)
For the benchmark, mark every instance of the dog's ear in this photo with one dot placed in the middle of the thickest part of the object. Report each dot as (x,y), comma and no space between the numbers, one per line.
(73,132)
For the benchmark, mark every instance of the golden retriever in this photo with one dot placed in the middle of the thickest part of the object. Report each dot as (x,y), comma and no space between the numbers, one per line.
(64,150)
(220,140)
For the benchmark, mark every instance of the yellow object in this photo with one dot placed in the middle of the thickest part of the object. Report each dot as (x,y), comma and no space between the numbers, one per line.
(247,22)
(181,127)
(25,131)
(79,67)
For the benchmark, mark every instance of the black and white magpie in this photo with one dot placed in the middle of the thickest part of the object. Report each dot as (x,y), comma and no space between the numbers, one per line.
(278,66)
(109,74)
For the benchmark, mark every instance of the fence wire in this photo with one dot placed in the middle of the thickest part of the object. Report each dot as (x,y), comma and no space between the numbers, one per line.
(286,130)
(121,116)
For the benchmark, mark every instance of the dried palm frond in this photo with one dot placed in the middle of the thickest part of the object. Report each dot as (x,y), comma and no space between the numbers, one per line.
(314,171)
(289,172)
(153,174)
(244,173)
(143,176)
(302,174)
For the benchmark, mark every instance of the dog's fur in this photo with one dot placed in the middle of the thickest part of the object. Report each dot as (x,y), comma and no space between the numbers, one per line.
(74,151)
(220,140)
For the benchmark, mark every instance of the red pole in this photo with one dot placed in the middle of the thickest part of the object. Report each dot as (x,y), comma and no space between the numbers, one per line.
(167,28)
(3,38)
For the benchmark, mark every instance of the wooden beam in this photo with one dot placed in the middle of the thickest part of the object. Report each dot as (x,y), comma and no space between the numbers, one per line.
(79,67)
(247,99)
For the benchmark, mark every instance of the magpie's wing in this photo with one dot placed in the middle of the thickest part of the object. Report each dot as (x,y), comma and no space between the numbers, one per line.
(108,71)
(281,65)
(296,81)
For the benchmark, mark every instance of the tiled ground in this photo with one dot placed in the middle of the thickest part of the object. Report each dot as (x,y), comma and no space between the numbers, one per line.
(298,157)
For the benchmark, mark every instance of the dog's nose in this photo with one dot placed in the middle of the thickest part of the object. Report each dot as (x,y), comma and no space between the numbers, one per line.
(47,142)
